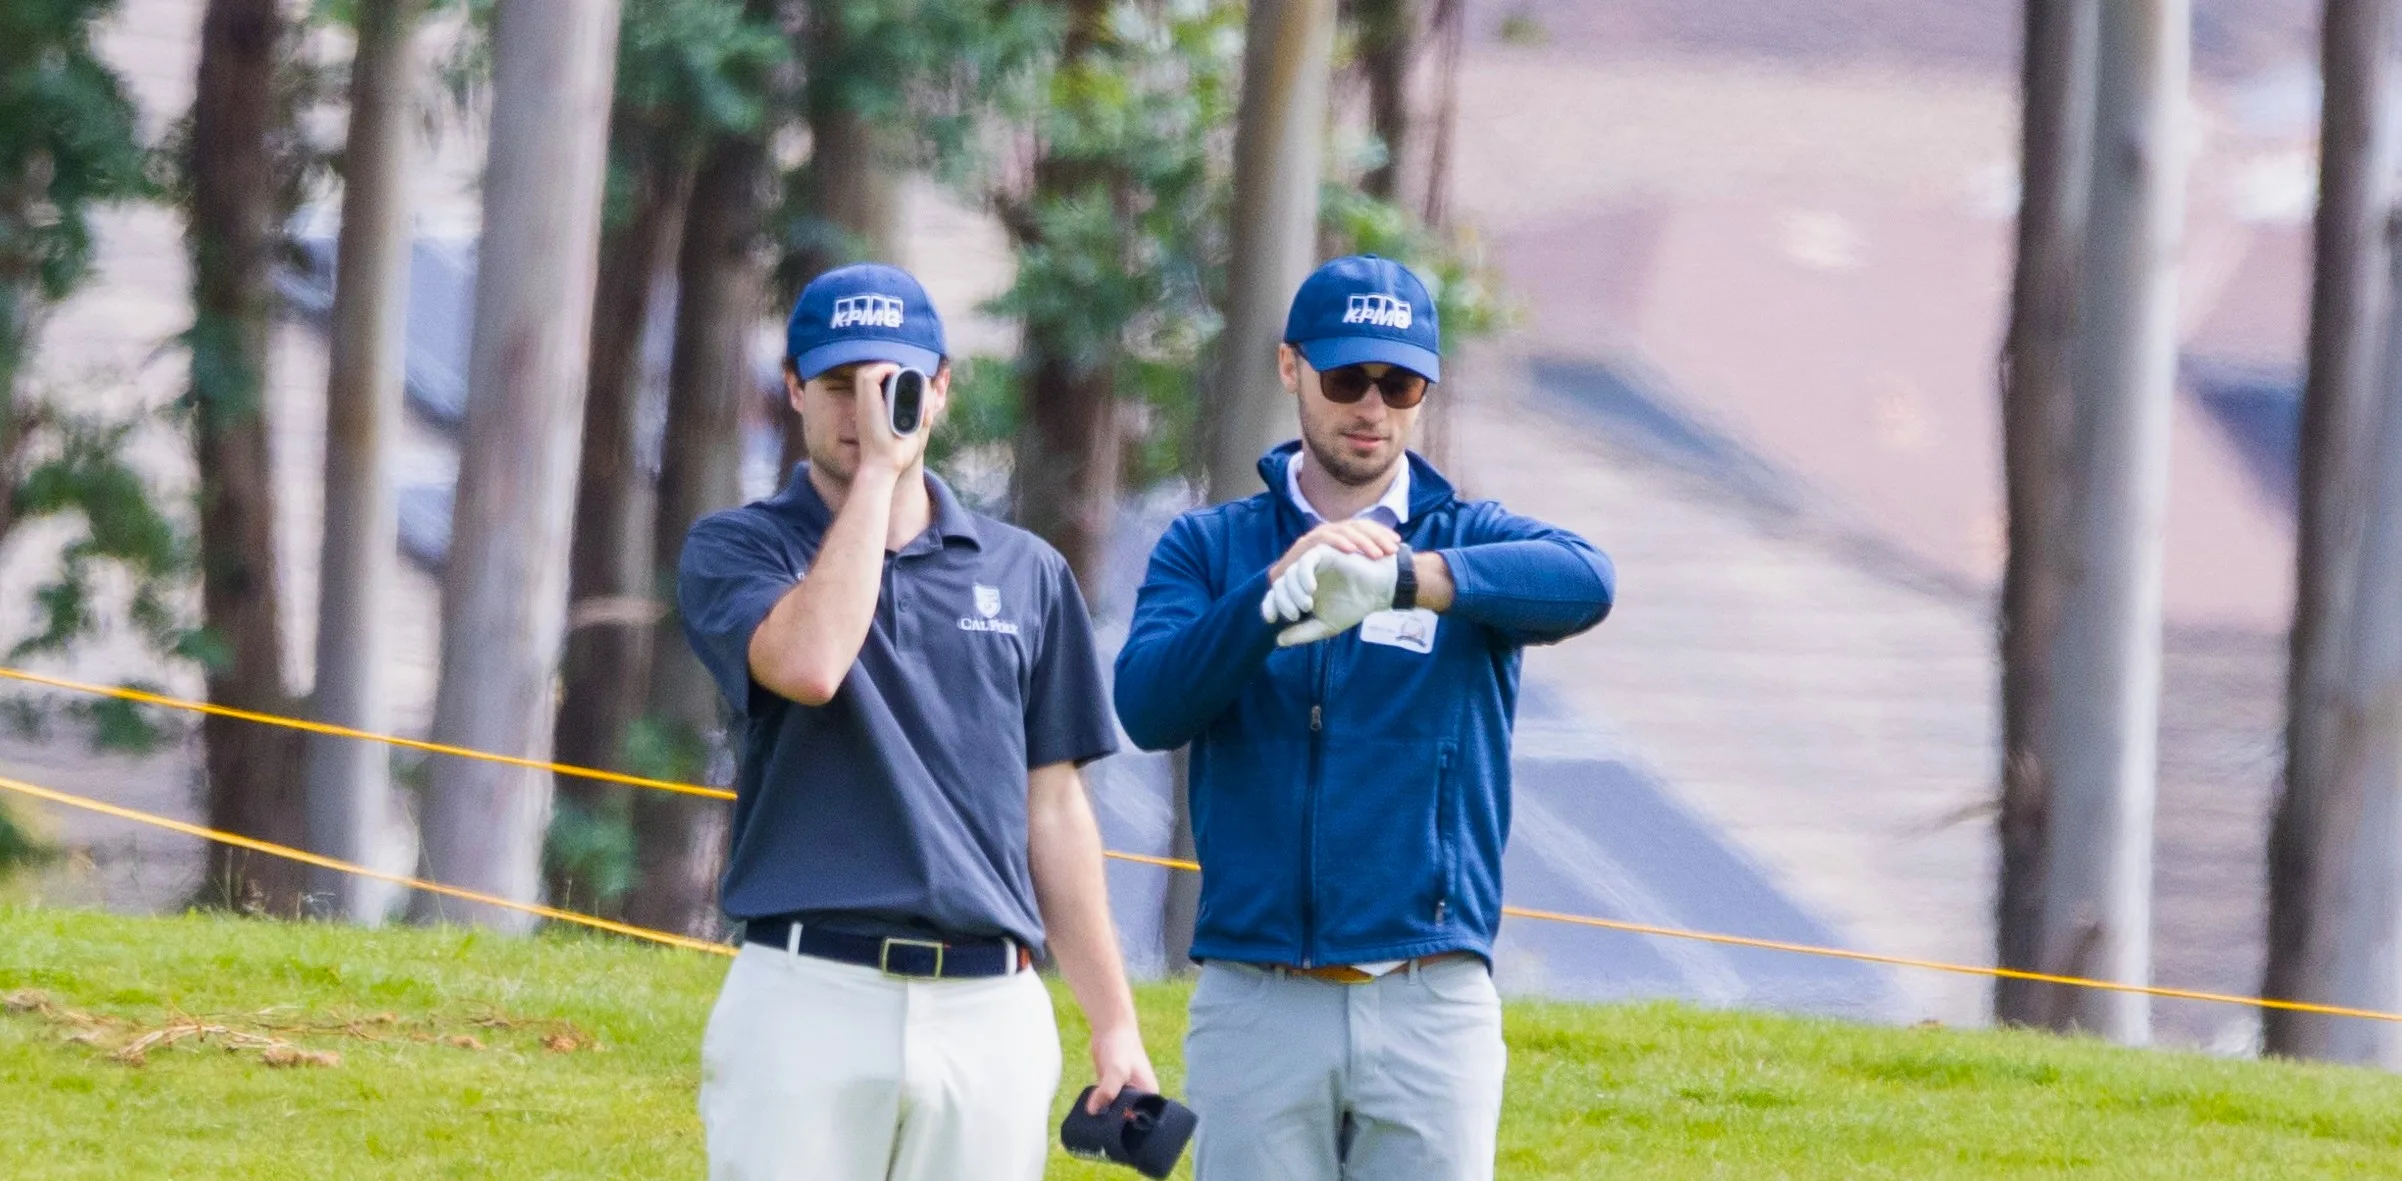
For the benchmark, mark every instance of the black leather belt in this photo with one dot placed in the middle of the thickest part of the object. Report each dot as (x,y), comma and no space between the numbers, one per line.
(921,958)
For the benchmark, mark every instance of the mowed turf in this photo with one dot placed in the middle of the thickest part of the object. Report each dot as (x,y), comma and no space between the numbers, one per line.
(467,1055)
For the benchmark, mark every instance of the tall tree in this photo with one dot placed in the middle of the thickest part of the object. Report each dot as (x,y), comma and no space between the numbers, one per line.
(610,608)
(350,807)
(2318,834)
(1066,476)
(2056,138)
(849,193)
(2357,878)
(2104,718)
(254,785)
(686,70)
(1279,150)
(679,840)
(504,593)
(1409,52)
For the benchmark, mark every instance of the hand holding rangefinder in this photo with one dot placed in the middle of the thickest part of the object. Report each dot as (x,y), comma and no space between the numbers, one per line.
(1140,1130)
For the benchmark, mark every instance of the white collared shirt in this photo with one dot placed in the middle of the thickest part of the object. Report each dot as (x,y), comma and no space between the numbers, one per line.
(1394,505)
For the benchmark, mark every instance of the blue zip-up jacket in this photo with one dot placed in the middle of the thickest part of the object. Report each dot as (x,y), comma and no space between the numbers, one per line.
(1350,800)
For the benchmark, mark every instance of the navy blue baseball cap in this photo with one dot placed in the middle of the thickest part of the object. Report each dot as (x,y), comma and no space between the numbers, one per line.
(1362,309)
(863,312)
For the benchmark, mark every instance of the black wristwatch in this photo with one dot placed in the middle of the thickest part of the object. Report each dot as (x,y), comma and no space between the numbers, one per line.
(1405,579)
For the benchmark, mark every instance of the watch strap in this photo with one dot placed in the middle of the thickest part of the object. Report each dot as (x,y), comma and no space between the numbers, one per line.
(1405,578)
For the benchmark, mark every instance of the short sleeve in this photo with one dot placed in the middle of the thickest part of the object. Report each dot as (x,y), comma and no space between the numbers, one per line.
(727,580)
(1067,708)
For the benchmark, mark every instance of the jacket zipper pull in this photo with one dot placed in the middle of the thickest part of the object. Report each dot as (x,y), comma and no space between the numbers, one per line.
(1317,718)
(1439,910)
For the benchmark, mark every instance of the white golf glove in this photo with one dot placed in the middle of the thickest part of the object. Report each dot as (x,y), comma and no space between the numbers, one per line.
(1335,590)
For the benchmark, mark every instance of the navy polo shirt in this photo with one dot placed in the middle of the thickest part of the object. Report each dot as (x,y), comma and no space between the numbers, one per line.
(899,806)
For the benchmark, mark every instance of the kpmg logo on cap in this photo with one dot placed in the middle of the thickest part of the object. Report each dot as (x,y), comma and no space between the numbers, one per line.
(882,311)
(1382,311)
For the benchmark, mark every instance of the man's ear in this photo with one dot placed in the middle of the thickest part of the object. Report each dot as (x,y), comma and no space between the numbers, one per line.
(938,390)
(792,385)
(1288,367)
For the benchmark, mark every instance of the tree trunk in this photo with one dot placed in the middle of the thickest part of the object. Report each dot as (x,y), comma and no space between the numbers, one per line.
(1279,155)
(504,594)
(351,811)
(2351,951)
(253,771)
(680,840)
(1415,117)
(2037,406)
(1064,483)
(1412,114)
(1279,150)
(2317,832)
(609,592)
(2103,726)
(850,188)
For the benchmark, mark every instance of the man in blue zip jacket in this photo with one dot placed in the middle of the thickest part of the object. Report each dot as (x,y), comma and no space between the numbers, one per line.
(1341,650)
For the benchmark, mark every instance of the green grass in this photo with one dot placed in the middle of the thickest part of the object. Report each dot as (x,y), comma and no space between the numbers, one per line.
(1640,1091)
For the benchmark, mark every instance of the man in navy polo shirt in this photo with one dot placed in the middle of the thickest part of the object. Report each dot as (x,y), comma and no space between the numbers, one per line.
(1341,650)
(914,687)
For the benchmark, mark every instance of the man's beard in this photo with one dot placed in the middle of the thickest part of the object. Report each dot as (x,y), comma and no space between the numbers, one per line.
(1355,473)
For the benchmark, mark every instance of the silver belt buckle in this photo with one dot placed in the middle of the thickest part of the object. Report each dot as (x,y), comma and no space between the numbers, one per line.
(884,956)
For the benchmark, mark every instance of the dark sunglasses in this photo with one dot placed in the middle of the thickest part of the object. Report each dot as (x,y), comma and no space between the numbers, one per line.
(1400,388)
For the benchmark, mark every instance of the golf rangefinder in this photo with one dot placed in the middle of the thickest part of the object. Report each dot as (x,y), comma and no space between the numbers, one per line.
(905,399)
(1139,1129)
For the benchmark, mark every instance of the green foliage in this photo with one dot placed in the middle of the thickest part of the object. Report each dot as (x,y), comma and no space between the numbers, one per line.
(19,848)
(1122,241)
(983,409)
(1465,289)
(591,849)
(698,67)
(86,475)
(67,145)
(1522,27)
(686,70)
(659,748)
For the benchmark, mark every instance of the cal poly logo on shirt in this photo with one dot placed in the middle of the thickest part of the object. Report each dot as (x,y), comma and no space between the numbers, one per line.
(988,605)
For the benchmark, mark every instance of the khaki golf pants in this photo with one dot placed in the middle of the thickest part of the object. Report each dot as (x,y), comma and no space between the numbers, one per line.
(813,1070)
(1397,1079)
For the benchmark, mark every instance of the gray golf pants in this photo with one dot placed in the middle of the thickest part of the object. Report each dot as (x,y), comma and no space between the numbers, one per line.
(1295,1079)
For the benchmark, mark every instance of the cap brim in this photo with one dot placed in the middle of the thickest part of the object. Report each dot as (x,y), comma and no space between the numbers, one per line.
(1334,352)
(852,352)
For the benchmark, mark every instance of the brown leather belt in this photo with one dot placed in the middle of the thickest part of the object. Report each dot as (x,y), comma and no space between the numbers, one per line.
(1346,974)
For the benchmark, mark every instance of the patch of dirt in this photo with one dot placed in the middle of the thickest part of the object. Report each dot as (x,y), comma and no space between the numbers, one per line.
(269,1034)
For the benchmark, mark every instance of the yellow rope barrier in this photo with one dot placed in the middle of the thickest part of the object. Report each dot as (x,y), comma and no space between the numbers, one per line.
(203,707)
(227,711)
(307,858)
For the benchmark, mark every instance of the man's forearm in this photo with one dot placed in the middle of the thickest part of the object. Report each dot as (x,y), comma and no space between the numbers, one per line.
(808,642)
(1064,853)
